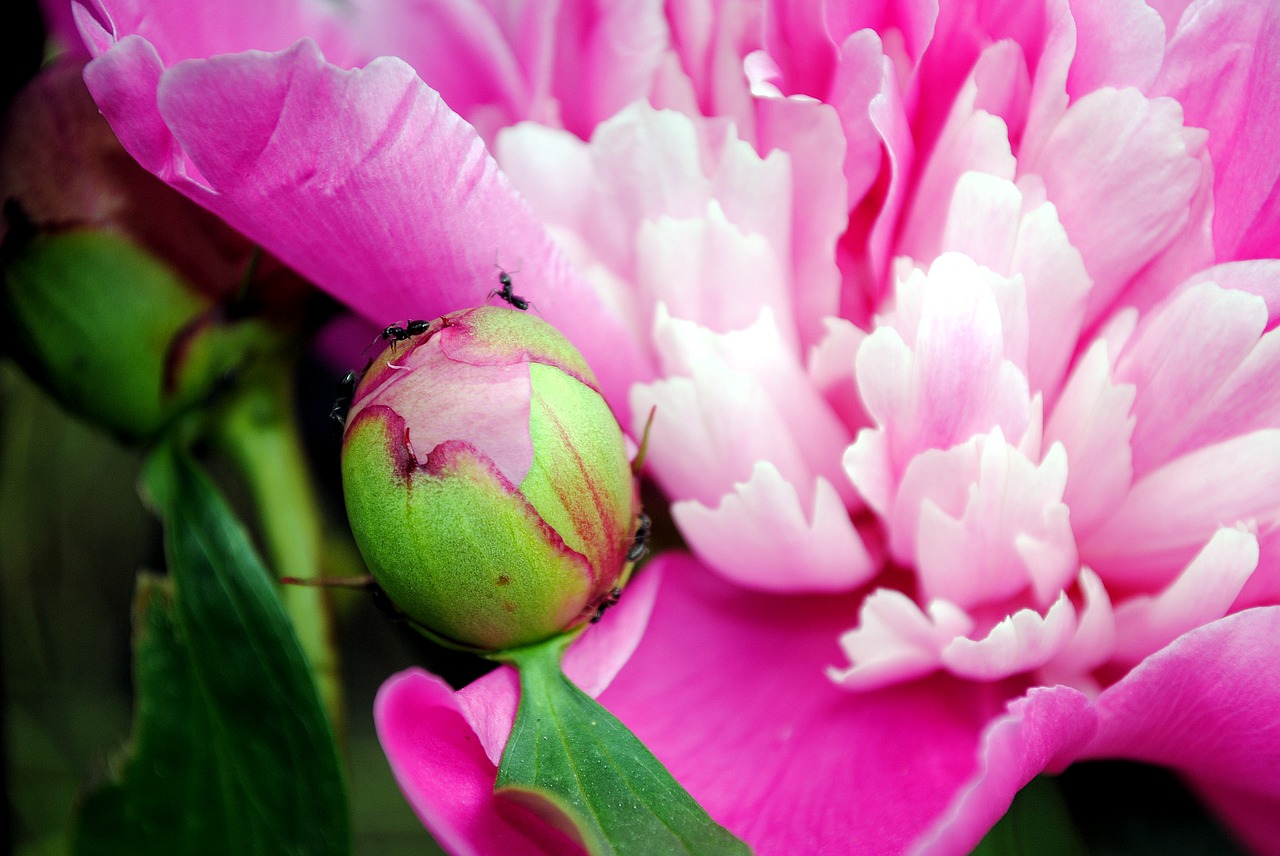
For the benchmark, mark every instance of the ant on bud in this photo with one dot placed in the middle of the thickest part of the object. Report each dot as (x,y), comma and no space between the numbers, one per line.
(609,600)
(342,404)
(641,543)
(395,333)
(506,293)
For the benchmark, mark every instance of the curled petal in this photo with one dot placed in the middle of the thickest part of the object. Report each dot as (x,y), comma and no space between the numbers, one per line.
(1023,642)
(896,641)
(761,537)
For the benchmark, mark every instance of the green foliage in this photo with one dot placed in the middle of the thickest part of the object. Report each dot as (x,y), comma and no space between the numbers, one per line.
(1037,822)
(232,751)
(575,763)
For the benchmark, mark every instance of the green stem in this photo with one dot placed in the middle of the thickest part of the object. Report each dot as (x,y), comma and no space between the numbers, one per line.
(259,431)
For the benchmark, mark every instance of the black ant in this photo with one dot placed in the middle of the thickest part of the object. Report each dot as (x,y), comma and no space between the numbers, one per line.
(504,279)
(395,333)
(346,391)
(641,542)
(609,600)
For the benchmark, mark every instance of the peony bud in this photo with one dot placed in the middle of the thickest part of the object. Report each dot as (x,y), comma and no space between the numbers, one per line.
(124,299)
(487,482)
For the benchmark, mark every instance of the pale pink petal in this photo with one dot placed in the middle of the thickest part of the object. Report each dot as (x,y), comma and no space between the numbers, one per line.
(1119,43)
(760,536)
(1260,277)
(831,370)
(888,115)
(1040,732)
(810,134)
(1173,512)
(870,470)
(896,641)
(1022,642)
(973,139)
(687,263)
(719,382)
(1093,422)
(1206,706)
(1200,594)
(592,661)
(941,376)
(1093,643)
(1223,66)
(1180,360)
(997,225)
(267,141)
(858,77)
(433,404)
(1122,172)
(982,523)
(446,776)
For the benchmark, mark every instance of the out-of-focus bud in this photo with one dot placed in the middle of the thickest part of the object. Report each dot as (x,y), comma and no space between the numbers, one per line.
(126,300)
(487,482)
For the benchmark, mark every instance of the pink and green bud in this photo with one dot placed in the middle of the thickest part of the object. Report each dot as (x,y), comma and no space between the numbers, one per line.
(487,482)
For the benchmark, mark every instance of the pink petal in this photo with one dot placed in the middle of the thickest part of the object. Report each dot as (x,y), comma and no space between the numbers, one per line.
(180,30)
(1042,731)
(1093,423)
(1122,173)
(1184,360)
(363,181)
(1093,643)
(744,717)
(809,134)
(896,641)
(1206,706)
(973,139)
(939,374)
(982,523)
(1202,593)
(1119,43)
(1170,515)
(858,77)
(1022,642)
(830,367)
(592,662)
(760,536)
(994,223)
(447,777)
(1222,65)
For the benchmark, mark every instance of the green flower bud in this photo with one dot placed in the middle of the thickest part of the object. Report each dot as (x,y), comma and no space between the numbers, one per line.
(113,333)
(487,482)
(118,291)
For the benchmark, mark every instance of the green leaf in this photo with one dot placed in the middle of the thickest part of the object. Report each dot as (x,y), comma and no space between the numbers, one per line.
(1038,822)
(577,765)
(231,751)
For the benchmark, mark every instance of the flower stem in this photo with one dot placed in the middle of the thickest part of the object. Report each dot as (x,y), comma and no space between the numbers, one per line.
(260,433)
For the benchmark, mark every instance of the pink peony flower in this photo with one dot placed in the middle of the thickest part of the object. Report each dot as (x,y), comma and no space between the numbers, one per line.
(959,323)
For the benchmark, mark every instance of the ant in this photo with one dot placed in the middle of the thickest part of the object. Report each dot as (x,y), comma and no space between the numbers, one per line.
(395,333)
(641,543)
(504,279)
(607,601)
(346,391)
(638,548)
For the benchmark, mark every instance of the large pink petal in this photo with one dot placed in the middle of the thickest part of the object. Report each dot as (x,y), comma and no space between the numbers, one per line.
(1206,706)
(363,181)
(728,690)
(1042,731)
